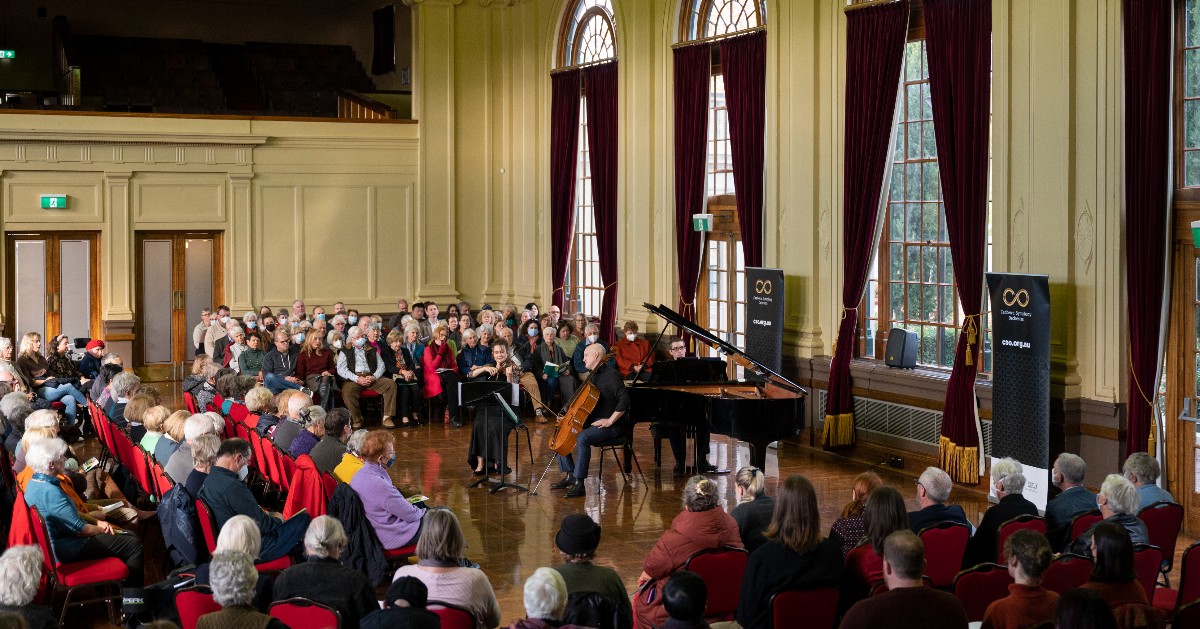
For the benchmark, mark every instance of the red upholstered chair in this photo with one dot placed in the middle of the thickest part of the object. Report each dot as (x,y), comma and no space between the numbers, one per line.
(722,570)
(818,608)
(1067,572)
(208,528)
(309,490)
(1170,600)
(303,613)
(978,587)
(1082,522)
(1147,560)
(945,545)
(102,576)
(1187,616)
(453,616)
(1019,523)
(1163,520)
(193,603)
(190,402)
(162,482)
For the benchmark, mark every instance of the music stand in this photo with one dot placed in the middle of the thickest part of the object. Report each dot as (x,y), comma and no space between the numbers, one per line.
(489,394)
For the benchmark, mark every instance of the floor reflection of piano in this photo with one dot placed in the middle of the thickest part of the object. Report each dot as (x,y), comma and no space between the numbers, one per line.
(763,408)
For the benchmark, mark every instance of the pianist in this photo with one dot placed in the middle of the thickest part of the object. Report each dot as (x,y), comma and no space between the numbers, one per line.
(603,424)
(675,433)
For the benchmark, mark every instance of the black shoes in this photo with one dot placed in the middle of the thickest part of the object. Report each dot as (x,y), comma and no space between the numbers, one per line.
(455,422)
(567,481)
(578,490)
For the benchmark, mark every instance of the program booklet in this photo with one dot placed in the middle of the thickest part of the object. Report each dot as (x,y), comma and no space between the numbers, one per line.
(551,370)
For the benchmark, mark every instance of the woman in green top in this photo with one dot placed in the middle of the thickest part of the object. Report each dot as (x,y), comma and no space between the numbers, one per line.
(251,358)
(566,337)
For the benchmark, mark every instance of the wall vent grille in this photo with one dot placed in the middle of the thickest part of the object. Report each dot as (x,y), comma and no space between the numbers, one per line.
(899,420)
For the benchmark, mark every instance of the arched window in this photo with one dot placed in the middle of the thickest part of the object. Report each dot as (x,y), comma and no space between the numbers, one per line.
(587,36)
(721,297)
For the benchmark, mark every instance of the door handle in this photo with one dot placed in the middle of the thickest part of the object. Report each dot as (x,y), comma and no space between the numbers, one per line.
(52,303)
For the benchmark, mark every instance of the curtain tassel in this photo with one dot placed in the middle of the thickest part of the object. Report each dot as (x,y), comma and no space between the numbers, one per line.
(971,328)
(961,463)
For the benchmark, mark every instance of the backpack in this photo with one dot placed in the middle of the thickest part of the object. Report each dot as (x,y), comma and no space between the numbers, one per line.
(177,515)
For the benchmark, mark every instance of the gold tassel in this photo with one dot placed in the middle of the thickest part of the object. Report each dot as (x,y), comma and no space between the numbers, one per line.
(961,463)
(972,330)
(838,431)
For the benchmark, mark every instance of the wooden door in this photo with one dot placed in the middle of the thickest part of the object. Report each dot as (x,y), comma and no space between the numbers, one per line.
(178,274)
(53,284)
(1181,381)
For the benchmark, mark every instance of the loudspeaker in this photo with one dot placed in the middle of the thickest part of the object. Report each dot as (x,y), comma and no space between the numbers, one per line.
(901,349)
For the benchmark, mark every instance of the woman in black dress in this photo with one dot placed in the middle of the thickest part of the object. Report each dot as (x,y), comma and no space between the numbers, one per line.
(490,426)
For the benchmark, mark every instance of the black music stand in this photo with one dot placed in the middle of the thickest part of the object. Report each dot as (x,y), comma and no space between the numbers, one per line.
(490,394)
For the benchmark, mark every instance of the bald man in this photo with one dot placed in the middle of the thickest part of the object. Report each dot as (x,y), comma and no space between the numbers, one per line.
(604,422)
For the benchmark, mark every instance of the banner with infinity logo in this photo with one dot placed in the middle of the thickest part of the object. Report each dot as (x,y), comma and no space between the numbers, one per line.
(1020,311)
(764,316)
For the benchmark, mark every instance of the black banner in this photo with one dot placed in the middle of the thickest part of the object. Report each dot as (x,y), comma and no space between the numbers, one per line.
(764,316)
(1020,367)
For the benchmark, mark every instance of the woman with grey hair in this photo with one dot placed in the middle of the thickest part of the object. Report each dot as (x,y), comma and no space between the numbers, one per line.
(440,549)
(20,575)
(352,458)
(1009,484)
(324,579)
(545,601)
(232,577)
(240,534)
(15,407)
(308,437)
(703,524)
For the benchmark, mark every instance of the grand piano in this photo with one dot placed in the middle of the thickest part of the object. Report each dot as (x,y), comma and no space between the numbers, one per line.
(764,407)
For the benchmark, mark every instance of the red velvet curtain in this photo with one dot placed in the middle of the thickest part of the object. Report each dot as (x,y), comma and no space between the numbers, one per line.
(1147,30)
(601,83)
(958,36)
(693,67)
(874,56)
(564,152)
(744,66)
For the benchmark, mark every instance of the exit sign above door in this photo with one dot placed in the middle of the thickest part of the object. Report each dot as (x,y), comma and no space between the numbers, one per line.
(54,201)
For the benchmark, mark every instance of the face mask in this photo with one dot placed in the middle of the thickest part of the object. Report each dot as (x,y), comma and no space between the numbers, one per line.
(631,337)
(298,337)
(1056,479)
(592,338)
(391,461)
(360,341)
(252,325)
(224,320)
(337,344)
(320,317)
(352,319)
(270,328)
(243,472)
(533,332)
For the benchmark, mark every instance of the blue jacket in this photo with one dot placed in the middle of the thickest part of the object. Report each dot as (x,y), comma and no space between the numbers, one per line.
(89,366)
(57,510)
(177,516)
(1059,511)
(1150,494)
(469,357)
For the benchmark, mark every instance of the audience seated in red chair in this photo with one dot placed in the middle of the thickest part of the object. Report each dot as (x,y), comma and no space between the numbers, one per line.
(232,578)
(884,515)
(323,579)
(1067,474)
(1143,471)
(1118,502)
(404,607)
(631,350)
(908,602)
(20,574)
(850,526)
(933,489)
(1028,604)
(1113,576)
(241,534)
(314,428)
(1009,485)
(360,367)
(396,521)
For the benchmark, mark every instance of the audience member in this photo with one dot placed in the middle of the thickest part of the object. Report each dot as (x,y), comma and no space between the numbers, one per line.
(1114,578)
(702,524)
(396,521)
(250,360)
(180,464)
(15,408)
(207,391)
(907,603)
(633,354)
(279,365)
(315,362)
(1142,470)
(441,373)
(172,436)
(1083,609)
(232,577)
(329,450)
(403,371)
(134,414)
(1067,474)
(684,598)
(1009,487)
(754,508)
(440,551)
(228,496)
(591,336)
(884,514)
(154,419)
(795,555)
(933,489)
(351,461)
(36,372)
(314,428)
(20,575)
(1118,502)
(71,538)
(241,534)
(404,608)
(216,329)
(360,367)
(545,601)
(849,526)
(577,539)
(258,402)
(1028,604)
(292,423)
(89,366)
(325,580)
(123,386)
(204,453)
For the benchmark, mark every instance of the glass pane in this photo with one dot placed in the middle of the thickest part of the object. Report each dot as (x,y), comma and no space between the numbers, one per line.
(157,263)
(896,293)
(30,294)
(1191,124)
(198,274)
(1191,72)
(75,288)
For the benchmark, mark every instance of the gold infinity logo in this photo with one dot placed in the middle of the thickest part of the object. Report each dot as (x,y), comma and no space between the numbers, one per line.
(1018,297)
(762,287)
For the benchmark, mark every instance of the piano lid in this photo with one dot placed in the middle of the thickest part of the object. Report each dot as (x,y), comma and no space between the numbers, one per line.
(761,372)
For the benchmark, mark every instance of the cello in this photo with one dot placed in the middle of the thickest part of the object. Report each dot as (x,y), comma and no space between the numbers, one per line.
(570,423)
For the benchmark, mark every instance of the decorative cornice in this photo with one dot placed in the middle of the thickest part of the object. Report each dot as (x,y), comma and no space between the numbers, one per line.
(82,137)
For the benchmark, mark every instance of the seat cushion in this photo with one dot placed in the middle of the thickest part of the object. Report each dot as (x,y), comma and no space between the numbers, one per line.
(403,551)
(91,571)
(277,565)
(1165,598)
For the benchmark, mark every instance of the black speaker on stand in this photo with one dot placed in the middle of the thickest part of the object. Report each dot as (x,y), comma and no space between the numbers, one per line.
(901,349)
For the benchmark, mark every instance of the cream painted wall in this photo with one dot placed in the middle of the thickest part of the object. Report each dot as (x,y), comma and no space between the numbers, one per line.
(1056,159)
(322,210)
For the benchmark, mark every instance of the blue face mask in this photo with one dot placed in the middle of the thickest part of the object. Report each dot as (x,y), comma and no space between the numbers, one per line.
(320,317)
(251,325)
(360,341)
(298,337)
(352,319)
(533,332)
(391,461)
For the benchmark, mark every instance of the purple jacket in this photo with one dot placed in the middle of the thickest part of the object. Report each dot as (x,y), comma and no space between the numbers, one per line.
(396,521)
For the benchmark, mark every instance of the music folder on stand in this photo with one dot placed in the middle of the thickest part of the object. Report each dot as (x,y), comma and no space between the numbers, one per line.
(489,395)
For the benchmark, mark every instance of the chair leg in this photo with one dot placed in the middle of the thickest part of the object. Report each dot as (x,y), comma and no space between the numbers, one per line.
(633,454)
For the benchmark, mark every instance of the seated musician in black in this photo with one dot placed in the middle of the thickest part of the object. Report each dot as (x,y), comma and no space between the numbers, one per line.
(602,424)
(678,350)
(490,426)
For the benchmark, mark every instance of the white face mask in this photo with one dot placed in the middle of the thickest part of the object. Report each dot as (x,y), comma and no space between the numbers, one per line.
(337,344)
(593,338)
(243,472)
(224,320)
(631,337)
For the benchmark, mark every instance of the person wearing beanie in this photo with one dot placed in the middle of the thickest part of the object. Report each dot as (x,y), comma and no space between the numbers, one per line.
(90,365)
(404,608)
(577,539)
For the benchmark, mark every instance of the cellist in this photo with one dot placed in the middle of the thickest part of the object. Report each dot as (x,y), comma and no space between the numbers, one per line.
(603,423)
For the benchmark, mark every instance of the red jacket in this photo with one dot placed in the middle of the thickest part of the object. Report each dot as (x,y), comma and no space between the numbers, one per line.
(631,354)
(690,532)
(308,490)
(436,357)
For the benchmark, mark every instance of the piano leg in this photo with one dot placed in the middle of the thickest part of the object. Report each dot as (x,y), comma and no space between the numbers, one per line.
(758,453)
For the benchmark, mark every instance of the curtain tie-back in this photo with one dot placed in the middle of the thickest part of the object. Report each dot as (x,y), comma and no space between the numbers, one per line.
(970,327)
(845,311)
(1137,382)
(613,283)
(557,290)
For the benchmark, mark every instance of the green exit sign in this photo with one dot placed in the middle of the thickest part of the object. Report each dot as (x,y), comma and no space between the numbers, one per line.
(8,54)
(54,201)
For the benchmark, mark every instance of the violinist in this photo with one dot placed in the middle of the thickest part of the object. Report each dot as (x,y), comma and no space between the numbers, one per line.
(490,427)
(604,422)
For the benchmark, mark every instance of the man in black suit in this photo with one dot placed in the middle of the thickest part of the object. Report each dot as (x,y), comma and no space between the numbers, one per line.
(933,489)
(602,424)
(982,547)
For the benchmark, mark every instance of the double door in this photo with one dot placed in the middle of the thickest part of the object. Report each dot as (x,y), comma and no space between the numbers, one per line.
(53,284)
(178,275)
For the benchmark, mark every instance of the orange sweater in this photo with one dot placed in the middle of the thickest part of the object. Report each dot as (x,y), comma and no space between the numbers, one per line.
(1025,606)
(630,354)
